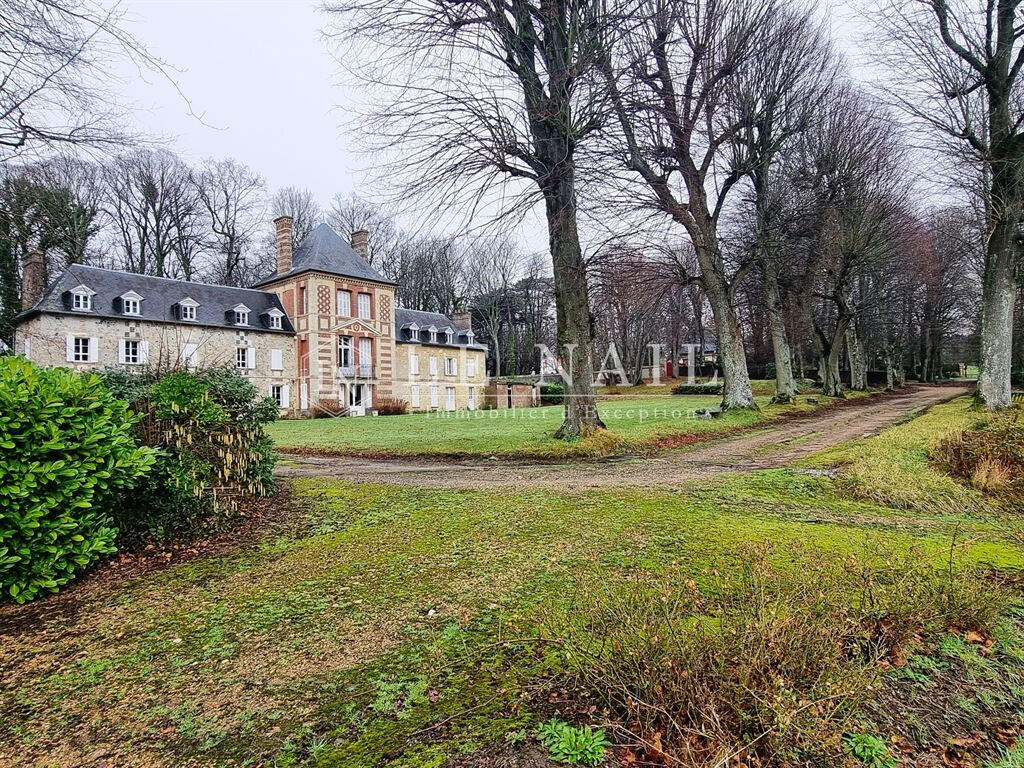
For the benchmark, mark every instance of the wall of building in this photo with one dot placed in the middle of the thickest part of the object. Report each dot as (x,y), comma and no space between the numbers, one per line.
(43,340)
(311,301)
(500,394)
(405,380)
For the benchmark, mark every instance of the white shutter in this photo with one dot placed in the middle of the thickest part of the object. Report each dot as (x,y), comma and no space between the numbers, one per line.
(433,366)
(144,353)
(94,349)
(414,364)
(275,360)
(250,357)
(71,349)
(122,345)
(284,396)
(415,392)
(189,355)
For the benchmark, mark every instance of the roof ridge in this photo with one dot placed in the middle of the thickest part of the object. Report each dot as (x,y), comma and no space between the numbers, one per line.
(160,277)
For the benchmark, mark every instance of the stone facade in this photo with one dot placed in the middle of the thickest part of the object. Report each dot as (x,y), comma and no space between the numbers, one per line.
(48,340)
(503,394)
(440,385)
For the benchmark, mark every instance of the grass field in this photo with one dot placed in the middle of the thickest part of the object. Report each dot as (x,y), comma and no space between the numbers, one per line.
(639,422)
(388,627)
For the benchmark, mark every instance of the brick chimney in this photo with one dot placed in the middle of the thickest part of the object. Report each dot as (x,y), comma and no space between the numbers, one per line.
(33,280)
(463,320)
(361,243)
(283,227)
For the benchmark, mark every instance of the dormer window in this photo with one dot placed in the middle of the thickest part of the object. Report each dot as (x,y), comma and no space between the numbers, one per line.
(241,314)
(274,319)
(187,309)
(449,337)
(433,334)
(81,298)
(469,337)
(131,303)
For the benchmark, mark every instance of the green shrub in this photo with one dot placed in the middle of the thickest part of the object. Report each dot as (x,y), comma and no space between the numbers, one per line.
(705,388)
(213,453)
(869,750)
(66,452)
(552,393)
(572,745)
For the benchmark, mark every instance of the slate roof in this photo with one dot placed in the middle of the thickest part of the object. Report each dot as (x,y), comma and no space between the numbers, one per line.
(159,297)
(324,250)
(407,317)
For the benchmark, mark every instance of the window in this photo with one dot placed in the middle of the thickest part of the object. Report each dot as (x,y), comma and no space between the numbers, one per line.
(449,398)
(188,312)
(433,397)
(241,317)
(471,400)
(471,366)
(414,393)
(433,366)
(364,305)
(81,301)
(80,349)
(276,360)
(433,335)
(275,322)
(344,303)
(469,336)
(449,337)
(241,357)
(276,392)
(365,356)
(131,351)
(451,366)
(345,351)
(303,309)
(130,306)
(414,364)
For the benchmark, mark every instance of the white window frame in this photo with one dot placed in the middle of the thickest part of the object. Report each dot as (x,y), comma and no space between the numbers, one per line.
(346,344)
(241,317)
(129,358)
(81,353)
(414,395)
(344,303)
(433,395)
(471,366)
(451,366)
(190,354)
(275,322)
(242,358)
(361,300)
(449,337)
(277,394)
(187,312)
(414,364)
(471,399)
(81,301)
(449,398)
(277,360)
(131,306)
(433,365)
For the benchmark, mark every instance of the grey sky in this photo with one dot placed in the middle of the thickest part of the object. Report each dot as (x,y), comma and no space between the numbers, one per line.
(268,91)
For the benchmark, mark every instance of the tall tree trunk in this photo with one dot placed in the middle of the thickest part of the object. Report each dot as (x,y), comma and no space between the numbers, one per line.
(997,302)
(855,356)
(575,324)
(785,384)
(736,389)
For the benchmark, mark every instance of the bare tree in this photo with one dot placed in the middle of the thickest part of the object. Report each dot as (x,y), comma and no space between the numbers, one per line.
(233,196)
(154,211)
(955,67)
(349,214)
(57,64)
(302,206)
(670,80)
(492,269)
(495,96)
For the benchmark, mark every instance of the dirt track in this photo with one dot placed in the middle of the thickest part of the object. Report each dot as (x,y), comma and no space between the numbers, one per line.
(774,446)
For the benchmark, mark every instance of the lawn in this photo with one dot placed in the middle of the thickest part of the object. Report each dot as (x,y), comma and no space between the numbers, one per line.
(395,626)
(640,422)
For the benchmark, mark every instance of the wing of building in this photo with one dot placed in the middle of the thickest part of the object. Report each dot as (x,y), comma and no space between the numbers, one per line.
(321,334)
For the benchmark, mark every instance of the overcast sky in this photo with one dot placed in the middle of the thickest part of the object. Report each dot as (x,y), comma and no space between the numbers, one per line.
(268,92)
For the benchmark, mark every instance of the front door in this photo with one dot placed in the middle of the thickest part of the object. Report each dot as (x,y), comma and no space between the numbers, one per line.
(358,399)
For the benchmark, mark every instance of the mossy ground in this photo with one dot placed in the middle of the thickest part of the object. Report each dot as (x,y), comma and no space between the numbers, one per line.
(641,417)
(396,626)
